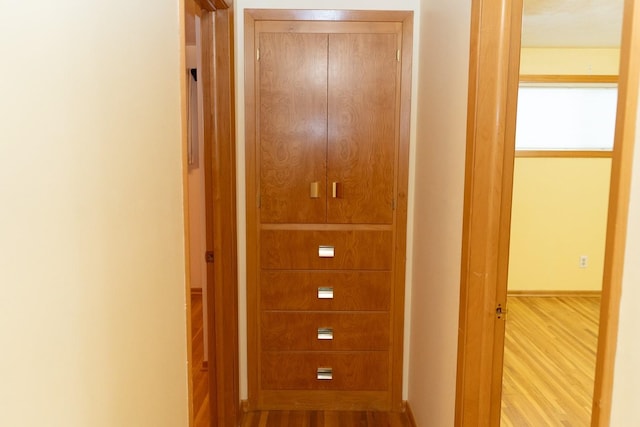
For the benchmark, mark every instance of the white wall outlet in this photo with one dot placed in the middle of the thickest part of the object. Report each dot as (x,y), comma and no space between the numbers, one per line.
(584,261)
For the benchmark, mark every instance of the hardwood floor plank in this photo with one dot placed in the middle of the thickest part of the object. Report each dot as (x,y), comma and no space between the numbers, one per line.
(325,419)
(549,361)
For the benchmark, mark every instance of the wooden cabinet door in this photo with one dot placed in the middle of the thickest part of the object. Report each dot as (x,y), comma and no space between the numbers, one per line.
(363,98)
(292,131)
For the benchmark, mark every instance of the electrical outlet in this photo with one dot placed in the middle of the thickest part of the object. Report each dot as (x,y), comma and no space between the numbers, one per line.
(584,261)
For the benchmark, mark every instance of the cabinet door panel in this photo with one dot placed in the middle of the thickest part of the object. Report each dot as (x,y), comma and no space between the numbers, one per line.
(363,131)
(292,135)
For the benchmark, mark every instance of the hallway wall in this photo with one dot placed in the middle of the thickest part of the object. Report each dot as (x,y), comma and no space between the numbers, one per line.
(92,264)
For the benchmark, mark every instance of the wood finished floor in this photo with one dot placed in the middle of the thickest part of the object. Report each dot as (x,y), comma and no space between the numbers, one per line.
(200,378)
(549,361)
(324,419)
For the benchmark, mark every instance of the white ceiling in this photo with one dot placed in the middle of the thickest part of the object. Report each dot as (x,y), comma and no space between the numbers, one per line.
(572,23)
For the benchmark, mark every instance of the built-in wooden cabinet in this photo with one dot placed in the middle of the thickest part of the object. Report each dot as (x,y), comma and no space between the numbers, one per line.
(327,107)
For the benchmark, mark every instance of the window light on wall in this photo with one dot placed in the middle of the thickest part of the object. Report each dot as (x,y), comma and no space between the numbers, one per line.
(566,117)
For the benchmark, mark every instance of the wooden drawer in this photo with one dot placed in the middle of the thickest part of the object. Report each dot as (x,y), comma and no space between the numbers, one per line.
(351,249)
(282,331)
(325,291)
(349,371)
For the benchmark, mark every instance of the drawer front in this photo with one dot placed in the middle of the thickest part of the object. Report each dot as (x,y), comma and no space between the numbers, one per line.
(325,371)
(325,291)
(282,331)
(326,250)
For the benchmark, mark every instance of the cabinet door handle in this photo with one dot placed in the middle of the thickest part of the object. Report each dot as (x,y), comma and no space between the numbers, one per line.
(314,190)
(336,190)
(325,293)
(325,334)
(326,251)
(324,374)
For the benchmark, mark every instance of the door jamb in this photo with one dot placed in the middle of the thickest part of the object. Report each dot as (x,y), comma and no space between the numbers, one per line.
(220,200)
(486,227)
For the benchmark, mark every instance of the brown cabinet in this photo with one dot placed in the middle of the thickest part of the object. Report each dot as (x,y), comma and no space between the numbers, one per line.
(327,154)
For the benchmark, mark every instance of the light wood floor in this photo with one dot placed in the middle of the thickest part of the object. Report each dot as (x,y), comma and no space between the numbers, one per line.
(549,361)
(200,378)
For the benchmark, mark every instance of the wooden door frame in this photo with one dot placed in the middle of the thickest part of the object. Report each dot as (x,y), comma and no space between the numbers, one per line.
(493,85)
(220,201)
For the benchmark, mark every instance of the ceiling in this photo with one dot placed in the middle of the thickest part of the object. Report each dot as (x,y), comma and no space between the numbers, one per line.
(572,23)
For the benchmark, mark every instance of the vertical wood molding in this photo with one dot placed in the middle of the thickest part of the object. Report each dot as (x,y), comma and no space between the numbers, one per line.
(220,194)
(618,213)
(493,70)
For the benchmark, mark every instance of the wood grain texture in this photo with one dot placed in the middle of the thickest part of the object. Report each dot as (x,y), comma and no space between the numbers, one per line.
(493,86)
(549,361)
(199,377)
(354,250)
(564,78)
(565,153)
(325,419)
(352,371)
(352,290)
(279,248)
(288,331)
(364,76)
(220,196)
(292,87)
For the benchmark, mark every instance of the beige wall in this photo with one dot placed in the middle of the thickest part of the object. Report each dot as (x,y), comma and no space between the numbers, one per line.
(92,265)
(559,213)
(626,386)
(569,61)
(438,203)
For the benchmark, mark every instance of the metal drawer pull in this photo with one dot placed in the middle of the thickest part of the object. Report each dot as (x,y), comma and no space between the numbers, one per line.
(325,334)
(336,190)
(325,293)
(314,190)
(326,251)
(324,374)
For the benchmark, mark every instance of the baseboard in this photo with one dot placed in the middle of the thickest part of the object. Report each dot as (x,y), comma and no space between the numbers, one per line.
(552,293)
(244,406)
(196,291)
(205,366)
(409,412)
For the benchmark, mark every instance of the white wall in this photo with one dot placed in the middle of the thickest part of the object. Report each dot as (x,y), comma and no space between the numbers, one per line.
(92,264)
(439,197)
(626,387)
(239,6)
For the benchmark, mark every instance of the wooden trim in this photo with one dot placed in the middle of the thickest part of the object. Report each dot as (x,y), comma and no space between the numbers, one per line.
(397,348)
(185,208)
(327,15)
(554,293)
(621,169)
(251,195)
(565,153)
(220,195)
(470,404)
(196,291)
(213,5)
(244,406)
(410,416)
(562,78)
(493,86)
